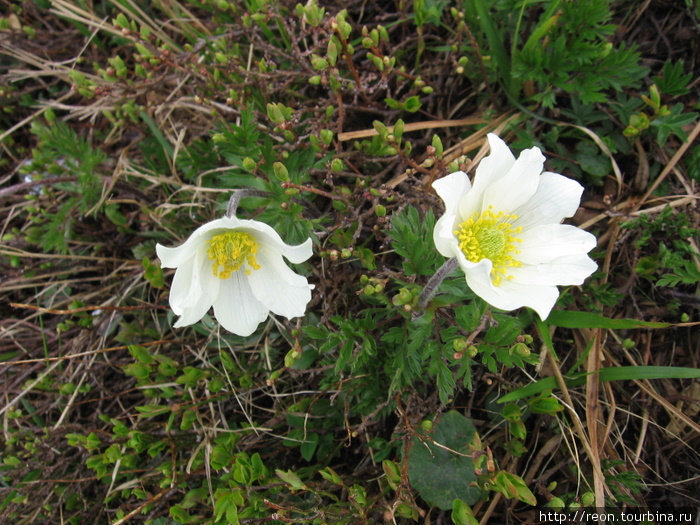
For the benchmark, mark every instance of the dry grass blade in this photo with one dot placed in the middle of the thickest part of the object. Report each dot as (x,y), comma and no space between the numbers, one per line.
(412,126)
(671,164)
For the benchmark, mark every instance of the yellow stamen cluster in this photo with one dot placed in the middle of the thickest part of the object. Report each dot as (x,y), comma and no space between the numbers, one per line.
(489,235)
(230,251)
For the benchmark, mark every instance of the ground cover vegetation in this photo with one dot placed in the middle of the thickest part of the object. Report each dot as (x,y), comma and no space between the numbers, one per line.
(124,124)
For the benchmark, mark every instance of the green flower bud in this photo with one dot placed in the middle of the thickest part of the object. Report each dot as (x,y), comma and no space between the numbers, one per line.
(280,171)
(459,345)
(337,165)
(326,136)
(318,62)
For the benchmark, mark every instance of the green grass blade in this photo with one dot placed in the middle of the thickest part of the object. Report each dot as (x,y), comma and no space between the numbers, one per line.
(571,319)
(167,147)
(496,48)
(614,373)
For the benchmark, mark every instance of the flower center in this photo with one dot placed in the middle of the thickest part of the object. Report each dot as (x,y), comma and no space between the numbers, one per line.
(229,251)
(489,235)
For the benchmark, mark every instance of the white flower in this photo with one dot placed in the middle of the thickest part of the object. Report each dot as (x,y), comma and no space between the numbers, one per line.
(236,265)
(505,230)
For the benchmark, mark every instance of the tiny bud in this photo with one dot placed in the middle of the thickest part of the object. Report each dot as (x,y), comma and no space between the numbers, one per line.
(337,165)
(346,253)
(430,150)
(333,255)
(521,349)
(460,344)
(457,356)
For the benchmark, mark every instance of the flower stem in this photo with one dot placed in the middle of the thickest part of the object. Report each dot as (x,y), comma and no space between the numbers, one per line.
(434,283)
(238,195)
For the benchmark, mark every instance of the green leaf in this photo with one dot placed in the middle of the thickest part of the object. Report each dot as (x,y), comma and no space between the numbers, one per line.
(505,332)
(412,238)
(137,370)
(412,104)
(672,80)
(574,319)
(291,479)
(462,514)
(309,446)
(141,354)
(331,475)
(673,122)
(440,476)
(545,405)
(512,486)
(152,410)
(220,457)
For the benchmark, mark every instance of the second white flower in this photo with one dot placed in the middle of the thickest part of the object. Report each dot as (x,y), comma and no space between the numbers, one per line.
(505,229)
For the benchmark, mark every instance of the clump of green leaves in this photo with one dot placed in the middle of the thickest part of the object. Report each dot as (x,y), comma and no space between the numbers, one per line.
(567,51)
(61,153)
(674,263)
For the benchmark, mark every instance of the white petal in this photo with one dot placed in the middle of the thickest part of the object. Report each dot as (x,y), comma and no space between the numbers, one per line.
(556,198)
(508,295)
(278,288)
(444,237)
(451,189)
(566,270)
(491,168)
(547,242)
(267,235)
(540,298)
(174,257)
(236,309)
(193,290)
(518,185)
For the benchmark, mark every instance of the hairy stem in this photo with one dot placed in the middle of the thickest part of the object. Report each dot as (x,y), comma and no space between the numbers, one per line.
(238,195)
(434,283)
